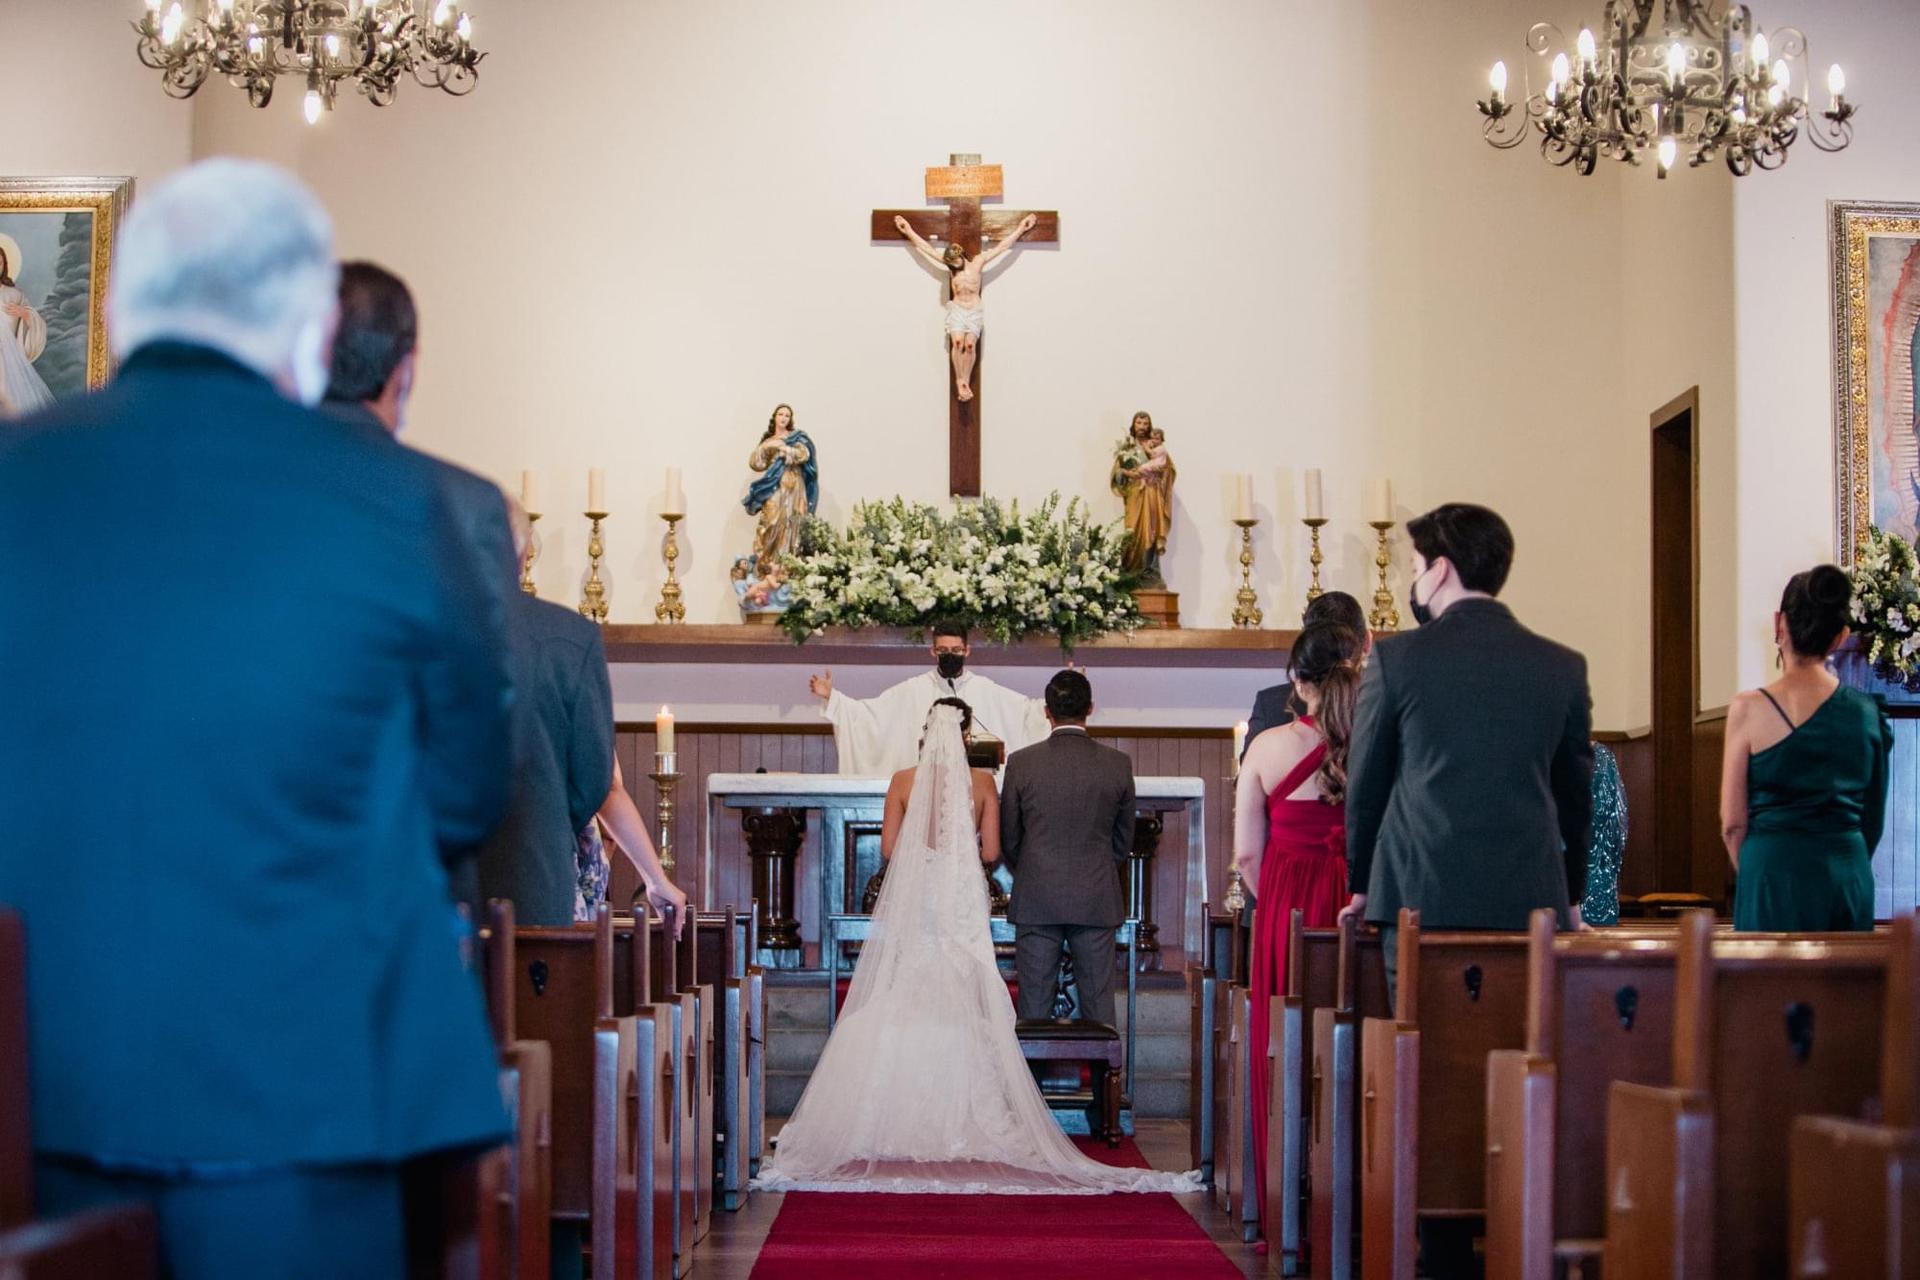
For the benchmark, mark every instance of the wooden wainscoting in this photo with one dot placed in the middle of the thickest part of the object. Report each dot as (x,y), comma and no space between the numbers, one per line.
(1639,872)
(706,749)
(1712,873)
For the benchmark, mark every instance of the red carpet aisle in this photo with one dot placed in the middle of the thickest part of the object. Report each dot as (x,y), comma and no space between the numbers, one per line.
(822,1234)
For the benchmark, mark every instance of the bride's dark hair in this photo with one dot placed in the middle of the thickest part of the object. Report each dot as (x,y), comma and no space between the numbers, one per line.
(1325,656)
(966,720)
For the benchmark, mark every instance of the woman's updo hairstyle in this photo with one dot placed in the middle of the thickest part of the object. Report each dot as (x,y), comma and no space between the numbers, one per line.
(1817,605)
(1326,656)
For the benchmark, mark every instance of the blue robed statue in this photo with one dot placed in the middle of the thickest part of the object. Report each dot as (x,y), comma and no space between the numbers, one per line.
(787,492)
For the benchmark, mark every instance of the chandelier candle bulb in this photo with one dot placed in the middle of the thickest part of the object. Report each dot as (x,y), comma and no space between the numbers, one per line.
(596,490)
(1759,50)
(1316,500)
(1836,82)
(1586,48)
(1497,81)
(1562,69)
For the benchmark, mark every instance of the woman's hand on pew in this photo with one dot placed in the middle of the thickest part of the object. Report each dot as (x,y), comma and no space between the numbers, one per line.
(666,897)
(1579,924)
(1357,908)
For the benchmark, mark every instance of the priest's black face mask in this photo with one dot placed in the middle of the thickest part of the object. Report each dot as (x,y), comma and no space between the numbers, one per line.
(951,662)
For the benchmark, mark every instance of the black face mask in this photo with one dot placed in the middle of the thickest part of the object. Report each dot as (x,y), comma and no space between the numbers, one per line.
(1422,614)
(950,664)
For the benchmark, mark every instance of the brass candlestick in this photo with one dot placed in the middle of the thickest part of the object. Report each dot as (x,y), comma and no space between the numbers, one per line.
(1314,524)
(1247,612)
(670,609)
(666,776)
(1386,614)
(593,596)
(533,553)
(1235,899)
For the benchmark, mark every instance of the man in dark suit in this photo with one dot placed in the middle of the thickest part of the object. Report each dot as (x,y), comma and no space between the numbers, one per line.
(562,754)
(1469,778)
(248,1002)
(1273,706)
(369,387)
(1066,828)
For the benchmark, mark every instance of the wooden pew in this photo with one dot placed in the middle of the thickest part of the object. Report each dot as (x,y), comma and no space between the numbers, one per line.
(671,986)
(1854,1188)
(1765,1029)
(1233,1155)
(1461,996)
(608,1073)
(526,1083)
(1336,977)
(756,1139)
(118,1241)
(1599,1009)
(721,941)
(1203,1006)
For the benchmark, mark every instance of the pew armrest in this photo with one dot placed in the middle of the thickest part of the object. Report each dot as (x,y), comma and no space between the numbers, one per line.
(1520,1135)
(1854,1198)
(119,1241)
(1659,1183)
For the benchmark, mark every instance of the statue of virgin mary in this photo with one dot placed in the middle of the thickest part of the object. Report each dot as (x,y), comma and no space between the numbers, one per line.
(787,492)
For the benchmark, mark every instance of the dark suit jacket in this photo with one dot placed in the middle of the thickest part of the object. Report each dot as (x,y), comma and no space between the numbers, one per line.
(562,759)
(1272,707)
(252,684)
(480,514)
(1066,822)
(1469,784)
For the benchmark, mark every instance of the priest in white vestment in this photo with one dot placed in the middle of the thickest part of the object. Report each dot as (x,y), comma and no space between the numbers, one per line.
(877,737)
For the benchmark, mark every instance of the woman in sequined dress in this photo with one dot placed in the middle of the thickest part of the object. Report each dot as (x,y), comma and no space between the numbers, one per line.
(1602,903)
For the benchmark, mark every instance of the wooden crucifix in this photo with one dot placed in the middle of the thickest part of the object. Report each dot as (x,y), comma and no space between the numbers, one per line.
(961,185)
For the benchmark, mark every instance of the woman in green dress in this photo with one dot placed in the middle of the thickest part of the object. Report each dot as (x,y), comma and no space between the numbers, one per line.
(1803,785)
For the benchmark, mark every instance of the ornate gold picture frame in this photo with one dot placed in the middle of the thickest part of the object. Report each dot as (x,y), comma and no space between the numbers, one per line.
(1875,249)
(59,233)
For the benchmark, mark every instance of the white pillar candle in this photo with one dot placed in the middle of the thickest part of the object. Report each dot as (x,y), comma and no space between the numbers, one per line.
(1382,512)
(1316,501)
(1243,497)
(529,494)
(676,499)
(663,732)
(596,489)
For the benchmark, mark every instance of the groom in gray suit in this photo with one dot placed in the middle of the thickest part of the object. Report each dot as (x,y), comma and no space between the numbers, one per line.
(1066,828)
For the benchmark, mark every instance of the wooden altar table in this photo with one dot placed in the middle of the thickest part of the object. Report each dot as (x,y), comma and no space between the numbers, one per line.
(774,809)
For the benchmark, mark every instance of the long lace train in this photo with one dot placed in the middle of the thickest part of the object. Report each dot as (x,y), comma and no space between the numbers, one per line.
(922,1086)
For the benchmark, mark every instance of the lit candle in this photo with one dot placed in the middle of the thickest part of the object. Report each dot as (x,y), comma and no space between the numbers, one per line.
(676,499)
(596,489)
(1316,501)
(529,494)
(1383,502)
(1497,81)
(663,732)
(1239,740)
(1243,497)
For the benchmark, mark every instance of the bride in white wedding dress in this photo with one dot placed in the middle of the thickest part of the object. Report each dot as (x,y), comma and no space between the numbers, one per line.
(922,1086)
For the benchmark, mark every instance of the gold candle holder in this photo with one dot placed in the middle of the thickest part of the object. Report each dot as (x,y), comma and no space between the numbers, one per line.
(533,553)
(666,776)
(1236,900)
(670,609)
(1386,614)
(1246,611)
(593,596)
(1314,525)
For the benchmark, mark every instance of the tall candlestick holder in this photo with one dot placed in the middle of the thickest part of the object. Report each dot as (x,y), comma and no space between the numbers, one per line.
(1234,901)
(593,596)
(1386,614)
(1314,559)
(670,609)
(533,553)
(1246,612)
(666,776)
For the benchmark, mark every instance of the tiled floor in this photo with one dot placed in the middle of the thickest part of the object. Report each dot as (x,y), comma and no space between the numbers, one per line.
(729,1250)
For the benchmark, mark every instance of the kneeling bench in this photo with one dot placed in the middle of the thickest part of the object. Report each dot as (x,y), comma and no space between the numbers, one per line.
(1093,1045)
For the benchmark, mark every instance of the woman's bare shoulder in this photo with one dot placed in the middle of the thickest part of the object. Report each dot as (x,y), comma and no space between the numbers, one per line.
(983,782)
(901,781)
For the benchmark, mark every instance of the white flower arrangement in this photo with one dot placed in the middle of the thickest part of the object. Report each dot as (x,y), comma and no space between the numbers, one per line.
(985,566)
(1886,607)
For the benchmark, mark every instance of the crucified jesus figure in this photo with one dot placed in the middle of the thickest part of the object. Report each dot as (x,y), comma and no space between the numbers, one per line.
(965,316)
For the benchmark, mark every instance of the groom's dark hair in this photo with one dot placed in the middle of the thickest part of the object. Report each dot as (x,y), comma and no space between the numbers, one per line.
(1069,697)
(378,329)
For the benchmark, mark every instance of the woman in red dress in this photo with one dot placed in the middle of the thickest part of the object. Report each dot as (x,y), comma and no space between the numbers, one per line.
(1289,830)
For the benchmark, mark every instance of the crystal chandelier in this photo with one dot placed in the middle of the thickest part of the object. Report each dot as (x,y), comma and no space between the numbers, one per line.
(1708,84)
(370,43)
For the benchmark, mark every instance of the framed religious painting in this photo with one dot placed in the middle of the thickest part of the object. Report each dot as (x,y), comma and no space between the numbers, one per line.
(1876,348)
(56,254)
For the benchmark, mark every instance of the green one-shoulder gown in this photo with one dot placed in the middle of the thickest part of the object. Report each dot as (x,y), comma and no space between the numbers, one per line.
(1816,803)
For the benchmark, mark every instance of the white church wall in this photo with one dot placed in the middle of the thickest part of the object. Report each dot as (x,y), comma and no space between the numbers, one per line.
(81,105)
(1783,318)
